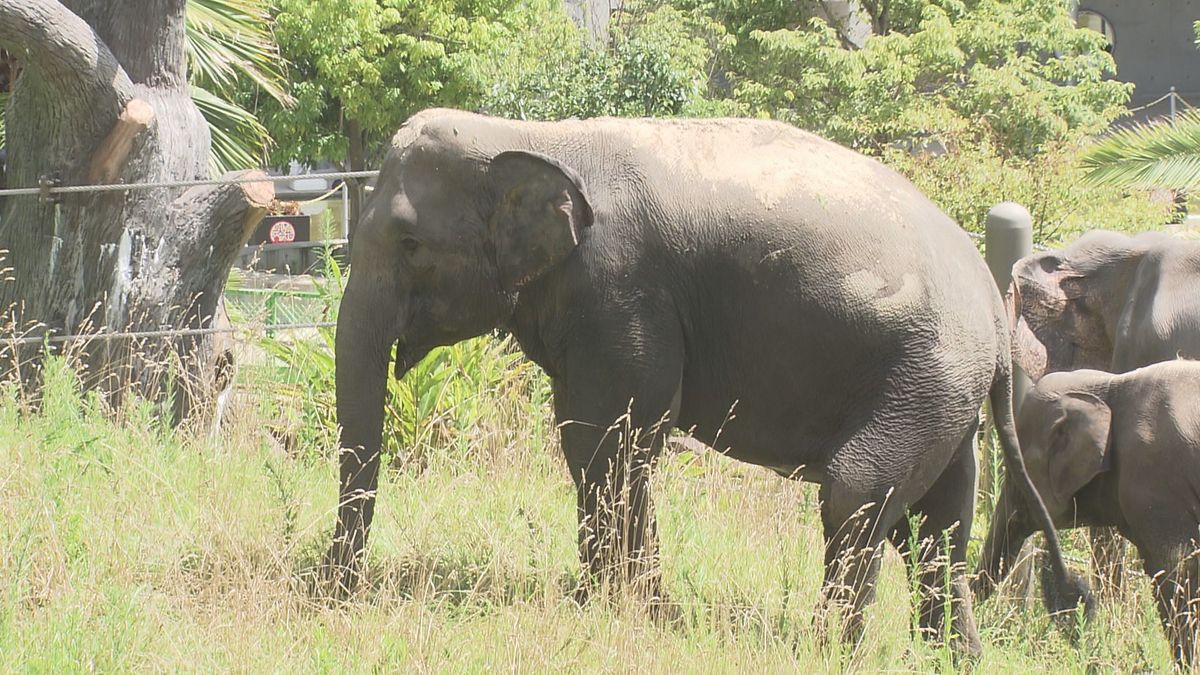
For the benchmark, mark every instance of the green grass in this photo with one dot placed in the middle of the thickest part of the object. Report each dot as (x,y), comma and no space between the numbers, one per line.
(127,547)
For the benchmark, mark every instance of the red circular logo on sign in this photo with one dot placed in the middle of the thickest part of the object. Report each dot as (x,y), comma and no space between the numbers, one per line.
(282,232)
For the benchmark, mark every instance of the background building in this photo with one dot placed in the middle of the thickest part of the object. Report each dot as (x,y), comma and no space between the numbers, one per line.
(1154,45)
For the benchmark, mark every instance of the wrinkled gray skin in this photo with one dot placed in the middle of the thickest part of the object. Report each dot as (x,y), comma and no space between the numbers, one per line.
(1110,302)
(1121,451)
(794,304)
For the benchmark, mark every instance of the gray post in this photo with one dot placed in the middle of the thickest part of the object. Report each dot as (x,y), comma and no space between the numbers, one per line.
(1008,237)
(345,211)
(1172,94)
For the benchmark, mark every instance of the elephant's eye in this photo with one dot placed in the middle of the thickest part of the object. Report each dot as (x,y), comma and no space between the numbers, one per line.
(409,244)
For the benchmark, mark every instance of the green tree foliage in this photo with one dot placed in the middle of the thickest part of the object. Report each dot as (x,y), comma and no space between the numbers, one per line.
(1016,73)
(977,101)
(657,62)
(359,68)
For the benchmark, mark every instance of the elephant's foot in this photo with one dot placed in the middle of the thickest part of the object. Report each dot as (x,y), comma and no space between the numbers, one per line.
(646,593)
(340,572)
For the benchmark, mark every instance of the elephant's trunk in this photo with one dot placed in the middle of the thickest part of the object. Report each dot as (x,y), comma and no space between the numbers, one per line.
(362,351)
(1008,532)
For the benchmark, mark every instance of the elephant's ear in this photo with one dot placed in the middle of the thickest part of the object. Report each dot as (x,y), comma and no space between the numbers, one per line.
(1053,328)
(1079,445)
(541,209)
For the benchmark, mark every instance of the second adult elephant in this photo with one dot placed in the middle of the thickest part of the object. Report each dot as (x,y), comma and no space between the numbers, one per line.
(792,303)
(1110,302)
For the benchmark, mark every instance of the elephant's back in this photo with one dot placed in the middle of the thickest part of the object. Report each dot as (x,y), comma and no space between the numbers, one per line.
(1157,414)
(780,201)
(768,172)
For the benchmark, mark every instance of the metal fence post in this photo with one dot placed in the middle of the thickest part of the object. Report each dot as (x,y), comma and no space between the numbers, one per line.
(1008,237)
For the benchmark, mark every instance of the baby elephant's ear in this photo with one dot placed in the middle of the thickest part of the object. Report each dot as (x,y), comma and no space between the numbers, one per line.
(540,210)
(1079,447)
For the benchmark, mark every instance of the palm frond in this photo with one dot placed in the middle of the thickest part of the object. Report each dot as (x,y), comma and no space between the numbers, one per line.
(239,140)
(1158,155)
(228,39)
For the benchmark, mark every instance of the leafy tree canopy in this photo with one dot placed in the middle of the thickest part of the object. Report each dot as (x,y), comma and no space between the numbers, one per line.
(1016,74)
(658,61)
(364,66)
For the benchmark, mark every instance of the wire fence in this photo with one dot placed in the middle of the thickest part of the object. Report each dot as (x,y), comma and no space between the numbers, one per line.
(47,186)
(101,336)
(1174,100)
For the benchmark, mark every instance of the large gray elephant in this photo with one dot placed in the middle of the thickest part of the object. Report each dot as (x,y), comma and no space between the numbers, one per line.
(1112,302)
(794,304)
(1121,451)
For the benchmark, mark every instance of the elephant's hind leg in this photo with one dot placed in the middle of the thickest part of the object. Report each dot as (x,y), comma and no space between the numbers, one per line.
(939,561)
(855,529)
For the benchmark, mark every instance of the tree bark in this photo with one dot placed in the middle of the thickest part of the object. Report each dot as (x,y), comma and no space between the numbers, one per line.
(103,97)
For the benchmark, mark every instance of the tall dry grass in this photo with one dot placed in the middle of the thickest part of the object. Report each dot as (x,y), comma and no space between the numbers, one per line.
(126,544)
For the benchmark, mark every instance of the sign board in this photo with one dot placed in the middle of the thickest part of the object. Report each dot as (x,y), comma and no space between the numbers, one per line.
(281,230)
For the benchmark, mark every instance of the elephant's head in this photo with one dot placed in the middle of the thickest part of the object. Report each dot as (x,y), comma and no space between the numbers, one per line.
(1064,434)
(1066,304)
(457,225)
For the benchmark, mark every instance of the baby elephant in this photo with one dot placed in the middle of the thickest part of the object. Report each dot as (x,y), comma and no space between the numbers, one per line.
(1122,451)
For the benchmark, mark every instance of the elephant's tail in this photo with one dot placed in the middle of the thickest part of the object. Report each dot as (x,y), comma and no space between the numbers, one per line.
(1068,589)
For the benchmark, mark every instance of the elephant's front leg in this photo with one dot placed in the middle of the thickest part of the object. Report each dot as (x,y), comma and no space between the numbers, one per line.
(613,417)
(617,541)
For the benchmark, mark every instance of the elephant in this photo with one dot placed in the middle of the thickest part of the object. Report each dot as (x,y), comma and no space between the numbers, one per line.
(791,303)
(1109,301)
(1117,450)
(1112,302)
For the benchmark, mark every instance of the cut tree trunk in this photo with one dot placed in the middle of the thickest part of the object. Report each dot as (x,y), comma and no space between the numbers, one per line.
(103,97)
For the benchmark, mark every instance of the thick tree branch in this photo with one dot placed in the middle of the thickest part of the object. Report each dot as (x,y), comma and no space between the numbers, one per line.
(214,222)
(110,156)
(49,37)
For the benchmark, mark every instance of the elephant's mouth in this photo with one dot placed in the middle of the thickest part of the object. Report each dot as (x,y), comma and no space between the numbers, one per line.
(407,356)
